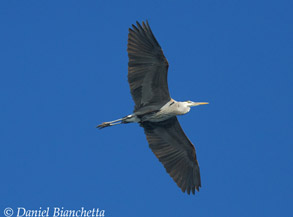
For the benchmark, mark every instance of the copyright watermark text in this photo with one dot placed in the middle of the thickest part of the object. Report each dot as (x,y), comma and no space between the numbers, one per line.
(53,212)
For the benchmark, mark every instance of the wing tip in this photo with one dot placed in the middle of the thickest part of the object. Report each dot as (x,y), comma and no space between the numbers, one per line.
(190,189)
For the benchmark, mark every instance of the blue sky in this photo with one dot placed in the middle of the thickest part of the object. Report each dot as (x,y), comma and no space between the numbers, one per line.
(64,70)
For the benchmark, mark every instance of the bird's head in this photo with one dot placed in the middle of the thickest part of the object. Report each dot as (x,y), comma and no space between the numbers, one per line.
(191,104)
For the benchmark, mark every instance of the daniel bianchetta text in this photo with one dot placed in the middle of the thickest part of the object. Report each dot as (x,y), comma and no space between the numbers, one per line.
(59,212)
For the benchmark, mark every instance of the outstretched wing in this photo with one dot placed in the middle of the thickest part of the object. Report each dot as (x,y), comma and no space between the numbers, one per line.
(147,68)
(172,147)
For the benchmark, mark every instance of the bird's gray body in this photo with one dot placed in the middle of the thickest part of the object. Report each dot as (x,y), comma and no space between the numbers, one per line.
(170,109)
(156,111)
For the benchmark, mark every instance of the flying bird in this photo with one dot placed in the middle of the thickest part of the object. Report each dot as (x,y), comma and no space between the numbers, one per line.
(156,111)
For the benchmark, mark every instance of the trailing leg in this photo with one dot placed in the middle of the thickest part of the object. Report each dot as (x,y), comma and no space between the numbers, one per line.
(110,123)
(124,120)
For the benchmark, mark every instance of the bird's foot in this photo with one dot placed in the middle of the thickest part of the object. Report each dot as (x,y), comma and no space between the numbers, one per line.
(103,125)
(108,124)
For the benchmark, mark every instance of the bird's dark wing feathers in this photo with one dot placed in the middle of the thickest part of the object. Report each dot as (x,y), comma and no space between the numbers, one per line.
(147,68)
(172,147)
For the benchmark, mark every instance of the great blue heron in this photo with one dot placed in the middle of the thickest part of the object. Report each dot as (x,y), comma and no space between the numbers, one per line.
(156,111)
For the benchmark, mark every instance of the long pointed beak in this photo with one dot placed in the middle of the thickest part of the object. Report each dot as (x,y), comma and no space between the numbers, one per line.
(199,103)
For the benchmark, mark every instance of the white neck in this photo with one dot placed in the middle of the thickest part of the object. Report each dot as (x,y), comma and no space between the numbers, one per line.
(183,107)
